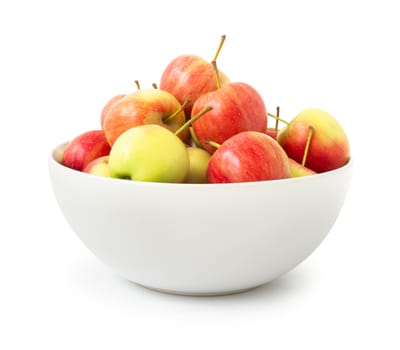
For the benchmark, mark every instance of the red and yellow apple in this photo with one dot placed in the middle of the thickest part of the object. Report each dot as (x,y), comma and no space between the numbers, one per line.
(236,107)
(108,106)
(84,148)
(329,146)
(144,106)
(98,166)
(248,156)
(190,76)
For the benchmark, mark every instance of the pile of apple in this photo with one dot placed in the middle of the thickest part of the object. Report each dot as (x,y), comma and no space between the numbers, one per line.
(197,126)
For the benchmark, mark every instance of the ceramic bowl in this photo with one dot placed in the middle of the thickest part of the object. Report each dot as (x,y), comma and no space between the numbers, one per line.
(200,239)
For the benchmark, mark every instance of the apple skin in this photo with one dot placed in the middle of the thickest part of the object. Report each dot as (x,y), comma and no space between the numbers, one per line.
(248,156)
(236,107)
(272,132)
(329,147)
(84,148)
(299,170)
(59,152)
(149,153)
(198,163)
(98,166)
(108,106)
(144,106)
(190,76)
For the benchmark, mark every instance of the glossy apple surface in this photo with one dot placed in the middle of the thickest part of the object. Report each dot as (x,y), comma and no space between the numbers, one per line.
(149,153)
(236,107)
(98,166)
(190,76)
(329,146)
(84,148)
(145,106)
(248,156)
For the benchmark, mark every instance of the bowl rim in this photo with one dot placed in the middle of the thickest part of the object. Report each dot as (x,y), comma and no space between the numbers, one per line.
(53,161)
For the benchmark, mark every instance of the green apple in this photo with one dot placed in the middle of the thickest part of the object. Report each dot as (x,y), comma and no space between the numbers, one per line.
(198,165)
(149,153)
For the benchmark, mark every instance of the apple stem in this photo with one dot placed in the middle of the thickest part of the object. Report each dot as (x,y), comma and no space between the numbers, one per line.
(223,37)
(213,144)
(278,118)
(154,85)
(137,84)
(309,136)
(179,110)
(193,119)
(217,77)
(194,137)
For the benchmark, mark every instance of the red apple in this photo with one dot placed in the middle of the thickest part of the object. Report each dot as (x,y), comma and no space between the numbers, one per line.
(248,156)
(236,107)
(328,147)
(108,106)
(190,76)
(84,148)
(98,166)
(144,106)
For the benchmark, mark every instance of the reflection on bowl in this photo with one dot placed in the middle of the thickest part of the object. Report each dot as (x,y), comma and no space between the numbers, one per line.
(200,239)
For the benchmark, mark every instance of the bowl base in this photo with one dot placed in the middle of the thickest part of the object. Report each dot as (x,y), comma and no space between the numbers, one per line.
(197,294)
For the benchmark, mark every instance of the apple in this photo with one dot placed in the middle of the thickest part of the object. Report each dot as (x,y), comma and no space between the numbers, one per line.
(98,166)
(108,106)
(299,170)
(272,132)
(248,156)
(59,152)
(144,106)
(236,107)
(189,76)
(328,145)
(84,148)
(198,163)
(149,153)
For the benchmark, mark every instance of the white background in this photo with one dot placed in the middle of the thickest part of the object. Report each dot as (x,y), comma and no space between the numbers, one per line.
(59,64)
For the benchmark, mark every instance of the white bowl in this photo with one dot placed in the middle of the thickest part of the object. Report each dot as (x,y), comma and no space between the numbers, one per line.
(200,239)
